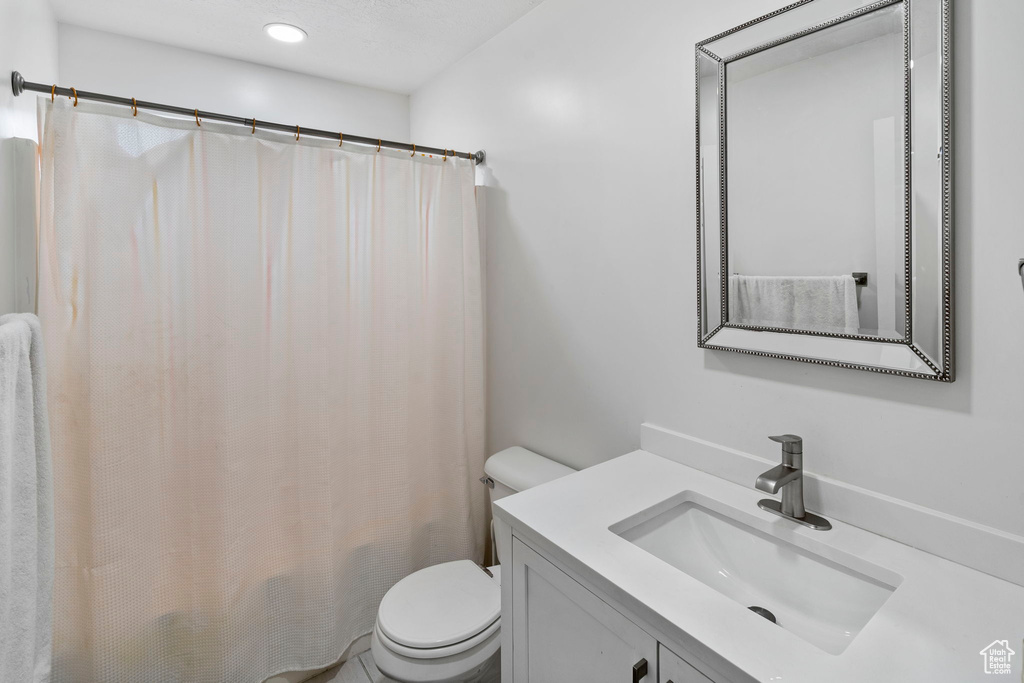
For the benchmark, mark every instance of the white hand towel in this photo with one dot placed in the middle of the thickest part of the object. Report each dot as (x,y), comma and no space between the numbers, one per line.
(26,505)
(823,304)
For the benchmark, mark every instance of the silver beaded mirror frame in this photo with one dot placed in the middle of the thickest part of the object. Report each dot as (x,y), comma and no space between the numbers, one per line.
(922,345)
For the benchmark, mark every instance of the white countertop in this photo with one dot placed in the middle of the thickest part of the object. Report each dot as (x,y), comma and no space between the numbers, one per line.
(931,629)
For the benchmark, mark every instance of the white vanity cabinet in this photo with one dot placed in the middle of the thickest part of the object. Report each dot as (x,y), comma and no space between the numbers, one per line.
(562,633)
(673,669)
(595,578)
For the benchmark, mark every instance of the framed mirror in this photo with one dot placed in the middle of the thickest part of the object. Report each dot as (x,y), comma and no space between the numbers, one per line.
(824,186)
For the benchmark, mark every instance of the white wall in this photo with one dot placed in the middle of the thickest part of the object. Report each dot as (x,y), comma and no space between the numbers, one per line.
(116,65)
(585,108)
(28,43)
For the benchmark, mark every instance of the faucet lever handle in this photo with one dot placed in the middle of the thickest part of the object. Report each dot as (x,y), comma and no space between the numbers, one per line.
(791,443)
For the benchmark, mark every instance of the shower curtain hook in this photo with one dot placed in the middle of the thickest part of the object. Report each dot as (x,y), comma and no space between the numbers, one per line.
(298,131)
(413,150)
(446,155)
(341,139)
(75,92)
(197,119)
(53,91)
(254,125)
(135,107)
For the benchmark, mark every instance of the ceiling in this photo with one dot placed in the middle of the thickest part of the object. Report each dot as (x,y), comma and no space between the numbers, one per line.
(395,45)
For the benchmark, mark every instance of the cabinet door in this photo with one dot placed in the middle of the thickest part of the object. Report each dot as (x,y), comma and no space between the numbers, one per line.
(564,633)
(673,669)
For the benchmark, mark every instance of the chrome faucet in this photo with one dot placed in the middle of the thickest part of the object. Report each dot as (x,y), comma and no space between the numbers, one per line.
(789,478)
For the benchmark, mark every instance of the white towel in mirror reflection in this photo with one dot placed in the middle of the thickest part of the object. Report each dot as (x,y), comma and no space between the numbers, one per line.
(819,303)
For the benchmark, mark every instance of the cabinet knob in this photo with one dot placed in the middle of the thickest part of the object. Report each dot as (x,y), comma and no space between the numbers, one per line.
(639,670)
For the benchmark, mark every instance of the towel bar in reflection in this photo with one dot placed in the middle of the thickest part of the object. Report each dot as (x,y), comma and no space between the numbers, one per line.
(861,279)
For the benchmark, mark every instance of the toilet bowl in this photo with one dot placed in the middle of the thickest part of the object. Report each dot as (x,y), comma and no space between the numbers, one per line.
(439,624)
(442,624)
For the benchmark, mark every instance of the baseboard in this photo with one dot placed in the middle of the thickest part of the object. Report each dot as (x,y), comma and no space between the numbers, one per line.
(973,545)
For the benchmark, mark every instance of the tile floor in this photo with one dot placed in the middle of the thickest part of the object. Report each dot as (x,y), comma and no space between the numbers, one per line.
(359,669)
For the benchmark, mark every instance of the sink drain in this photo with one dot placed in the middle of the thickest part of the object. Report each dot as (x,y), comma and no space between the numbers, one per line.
(761,611)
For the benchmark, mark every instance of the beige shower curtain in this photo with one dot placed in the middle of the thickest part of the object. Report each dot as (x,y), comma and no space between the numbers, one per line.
(265,389)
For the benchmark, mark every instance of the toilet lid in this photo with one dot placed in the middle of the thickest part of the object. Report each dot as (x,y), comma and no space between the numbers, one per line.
(440,605)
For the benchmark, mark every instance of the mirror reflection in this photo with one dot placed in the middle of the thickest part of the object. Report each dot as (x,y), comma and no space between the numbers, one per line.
(815,170)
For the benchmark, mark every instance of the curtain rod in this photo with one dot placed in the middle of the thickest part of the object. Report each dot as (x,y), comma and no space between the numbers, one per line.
(20,85)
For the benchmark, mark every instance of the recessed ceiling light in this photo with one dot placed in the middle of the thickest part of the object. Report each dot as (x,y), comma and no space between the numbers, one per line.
(286,33)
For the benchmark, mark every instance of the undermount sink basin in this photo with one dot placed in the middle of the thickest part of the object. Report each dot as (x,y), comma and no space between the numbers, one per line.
(814,591)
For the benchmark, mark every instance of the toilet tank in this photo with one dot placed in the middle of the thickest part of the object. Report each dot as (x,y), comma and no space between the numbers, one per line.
(517,469)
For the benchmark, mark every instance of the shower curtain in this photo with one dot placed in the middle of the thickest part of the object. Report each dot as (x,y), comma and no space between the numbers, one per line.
(266,390)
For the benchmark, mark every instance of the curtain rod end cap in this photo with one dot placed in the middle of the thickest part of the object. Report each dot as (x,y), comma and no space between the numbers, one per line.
(480,157)
(17,83)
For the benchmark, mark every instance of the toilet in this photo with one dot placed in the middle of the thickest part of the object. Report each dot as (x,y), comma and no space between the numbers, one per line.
(442,623)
